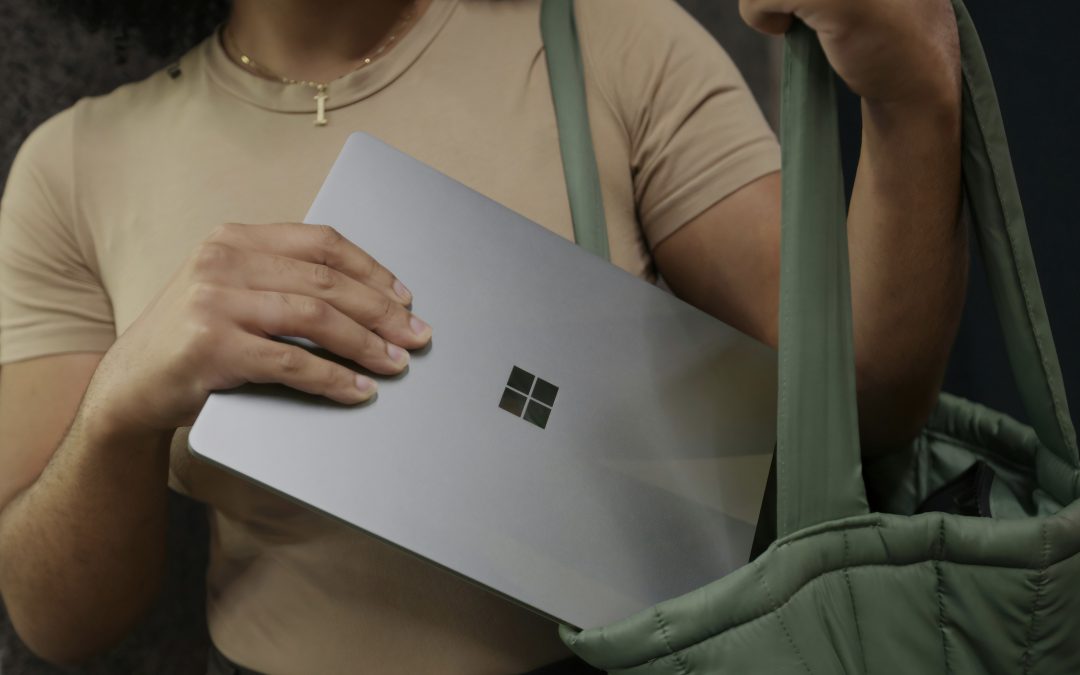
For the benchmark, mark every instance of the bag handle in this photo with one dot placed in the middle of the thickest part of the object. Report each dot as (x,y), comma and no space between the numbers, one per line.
(843,476)
(824,481)
(818,466)
(818,461)
(563,54)
(1001,230)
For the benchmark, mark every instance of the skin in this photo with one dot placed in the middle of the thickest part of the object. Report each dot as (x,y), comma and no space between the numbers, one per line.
(908,251)
(84,438)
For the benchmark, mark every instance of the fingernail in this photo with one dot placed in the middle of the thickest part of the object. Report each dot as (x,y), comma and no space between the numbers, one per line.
(396,354)
(401,291)
(365,385)
(419,327)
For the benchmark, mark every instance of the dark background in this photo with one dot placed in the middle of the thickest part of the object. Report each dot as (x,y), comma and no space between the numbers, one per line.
(1031,48)
(46,64)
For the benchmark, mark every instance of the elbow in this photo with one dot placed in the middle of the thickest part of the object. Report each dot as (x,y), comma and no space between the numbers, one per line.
(62,657)
(50,644)
(894,407)
(72,631)
(62,641)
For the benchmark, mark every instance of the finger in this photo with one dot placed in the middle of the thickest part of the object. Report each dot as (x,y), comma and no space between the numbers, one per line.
(361,303)
(320,244)
(772,17)
(265,361)
(275,314)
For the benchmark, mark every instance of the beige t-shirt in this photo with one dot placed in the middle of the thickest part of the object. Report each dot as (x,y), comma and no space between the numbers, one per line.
(106,199)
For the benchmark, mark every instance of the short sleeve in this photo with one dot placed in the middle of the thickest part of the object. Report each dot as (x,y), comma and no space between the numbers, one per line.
(696,134)
(51,301)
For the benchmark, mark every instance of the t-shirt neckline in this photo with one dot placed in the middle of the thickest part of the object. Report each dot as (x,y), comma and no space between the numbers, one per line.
(353,87)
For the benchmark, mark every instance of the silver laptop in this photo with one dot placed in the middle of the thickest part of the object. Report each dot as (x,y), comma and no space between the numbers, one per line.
(574,439)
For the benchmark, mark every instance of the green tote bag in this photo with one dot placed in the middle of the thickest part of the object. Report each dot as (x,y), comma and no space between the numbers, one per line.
(843,589)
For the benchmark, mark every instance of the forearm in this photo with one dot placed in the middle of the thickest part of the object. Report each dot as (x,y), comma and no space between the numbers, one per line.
(908,261)
(82,549)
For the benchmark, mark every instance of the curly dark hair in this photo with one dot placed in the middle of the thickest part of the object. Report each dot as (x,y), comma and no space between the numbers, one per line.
(163,27)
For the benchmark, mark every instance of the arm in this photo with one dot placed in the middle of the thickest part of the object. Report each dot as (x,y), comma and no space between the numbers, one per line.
(908,250)
(82,529)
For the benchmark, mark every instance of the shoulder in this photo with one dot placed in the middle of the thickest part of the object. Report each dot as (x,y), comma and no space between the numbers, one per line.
(40,176)
(112,120)
(645,25)
(154,99)
(91,116)
(91,130)
(640,43)
(49,143)
(629,11)
(642,53)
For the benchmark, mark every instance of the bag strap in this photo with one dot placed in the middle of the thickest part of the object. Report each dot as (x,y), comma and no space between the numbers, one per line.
(818,461)
(565,71)
(818,455)
(1001,229)
(583,187)
(819,471)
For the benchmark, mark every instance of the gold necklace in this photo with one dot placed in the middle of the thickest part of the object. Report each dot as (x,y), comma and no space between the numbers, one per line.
(321,88)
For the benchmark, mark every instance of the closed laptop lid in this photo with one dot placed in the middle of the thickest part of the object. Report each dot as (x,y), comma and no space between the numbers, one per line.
(574,438)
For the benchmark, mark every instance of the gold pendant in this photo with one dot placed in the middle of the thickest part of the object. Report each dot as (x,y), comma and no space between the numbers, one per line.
(320,107)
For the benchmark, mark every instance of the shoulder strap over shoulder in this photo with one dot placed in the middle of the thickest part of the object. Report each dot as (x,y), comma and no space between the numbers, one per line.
(575,138)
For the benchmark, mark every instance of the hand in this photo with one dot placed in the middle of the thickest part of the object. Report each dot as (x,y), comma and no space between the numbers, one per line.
(887,51)
(210,328)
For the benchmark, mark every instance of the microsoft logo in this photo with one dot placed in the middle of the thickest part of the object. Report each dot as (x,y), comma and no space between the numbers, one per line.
(529,394)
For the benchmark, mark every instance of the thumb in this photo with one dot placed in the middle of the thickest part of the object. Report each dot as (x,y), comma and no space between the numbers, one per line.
(765,16)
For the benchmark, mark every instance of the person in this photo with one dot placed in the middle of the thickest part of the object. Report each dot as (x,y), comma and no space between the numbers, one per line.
(149,249)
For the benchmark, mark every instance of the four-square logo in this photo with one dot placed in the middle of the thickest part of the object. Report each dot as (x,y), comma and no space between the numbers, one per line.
(528,394)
